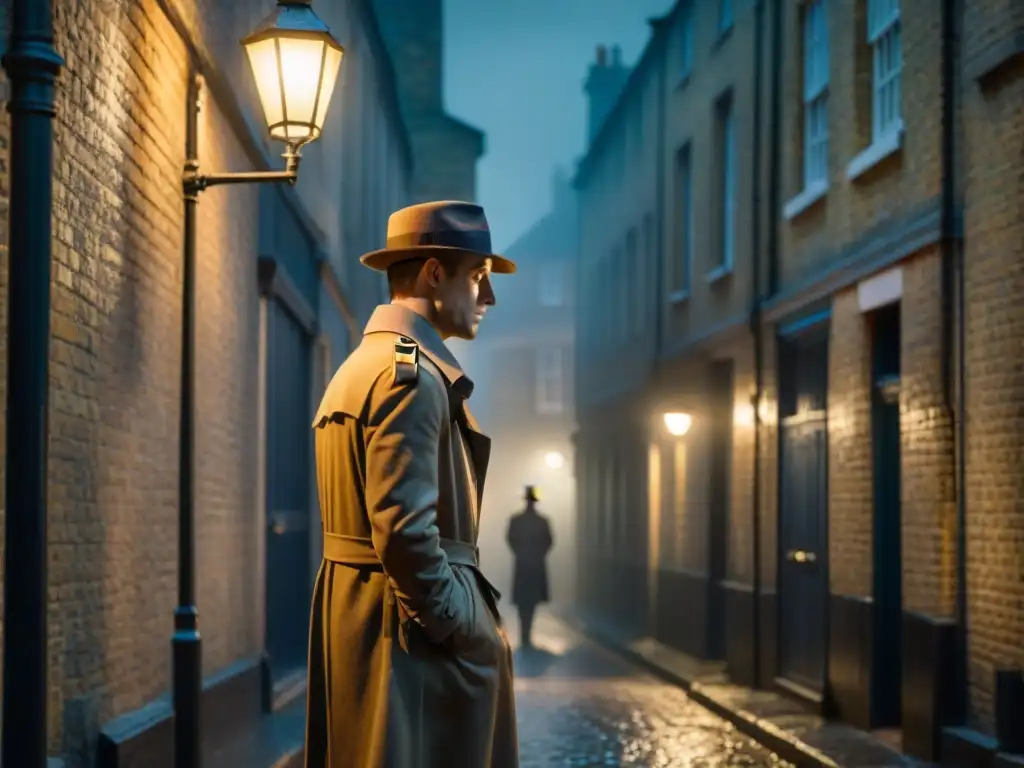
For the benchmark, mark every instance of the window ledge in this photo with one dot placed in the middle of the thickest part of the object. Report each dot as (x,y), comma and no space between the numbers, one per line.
(678,297)
(723,34)
(718,273)
(812,194)
(684,79)
(883,147)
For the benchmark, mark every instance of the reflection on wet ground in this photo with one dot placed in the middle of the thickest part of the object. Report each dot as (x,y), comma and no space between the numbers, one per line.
(581,705)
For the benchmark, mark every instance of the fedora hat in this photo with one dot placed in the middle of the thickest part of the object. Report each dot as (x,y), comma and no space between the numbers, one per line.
(531,494)
(428,229)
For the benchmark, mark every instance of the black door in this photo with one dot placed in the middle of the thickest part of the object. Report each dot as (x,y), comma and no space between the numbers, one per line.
(289,454)
(803,510)
(718,527)
(888,588)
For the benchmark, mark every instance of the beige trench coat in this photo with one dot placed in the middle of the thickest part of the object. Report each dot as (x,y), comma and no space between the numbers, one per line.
(409,666)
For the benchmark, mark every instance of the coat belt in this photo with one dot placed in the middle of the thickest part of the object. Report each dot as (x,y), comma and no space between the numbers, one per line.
(358,551)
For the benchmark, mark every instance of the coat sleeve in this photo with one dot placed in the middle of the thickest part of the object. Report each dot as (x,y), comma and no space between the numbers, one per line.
(405,425)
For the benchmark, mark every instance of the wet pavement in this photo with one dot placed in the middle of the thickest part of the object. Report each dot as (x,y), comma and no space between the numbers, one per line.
(581,705)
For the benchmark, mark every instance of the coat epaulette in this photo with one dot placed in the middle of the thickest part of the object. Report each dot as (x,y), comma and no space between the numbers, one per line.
(407,361)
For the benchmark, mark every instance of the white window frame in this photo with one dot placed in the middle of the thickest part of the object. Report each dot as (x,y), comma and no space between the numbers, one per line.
(816,81)
(682,247)
(550,368)
(886,41)
(552,285)
(686,39)
(725,15)
(727,180)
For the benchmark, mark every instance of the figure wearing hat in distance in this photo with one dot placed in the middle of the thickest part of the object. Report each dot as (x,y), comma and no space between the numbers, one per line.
(408,662)
(529,538)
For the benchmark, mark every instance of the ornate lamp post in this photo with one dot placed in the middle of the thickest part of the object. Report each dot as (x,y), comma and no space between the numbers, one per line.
(295,62)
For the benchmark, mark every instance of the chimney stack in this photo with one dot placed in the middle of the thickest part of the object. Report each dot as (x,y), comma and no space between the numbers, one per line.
(603,85)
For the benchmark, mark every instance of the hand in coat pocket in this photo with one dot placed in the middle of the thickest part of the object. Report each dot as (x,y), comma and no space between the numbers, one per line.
(476,637)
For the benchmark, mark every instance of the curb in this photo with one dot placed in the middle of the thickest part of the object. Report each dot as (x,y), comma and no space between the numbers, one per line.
(785,746)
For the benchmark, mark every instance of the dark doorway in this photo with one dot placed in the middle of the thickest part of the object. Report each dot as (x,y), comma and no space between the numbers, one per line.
(289,450)
(886,670)
(803,510)
(718,528)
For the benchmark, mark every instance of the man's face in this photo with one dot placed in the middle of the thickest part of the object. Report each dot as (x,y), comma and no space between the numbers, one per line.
(461,298)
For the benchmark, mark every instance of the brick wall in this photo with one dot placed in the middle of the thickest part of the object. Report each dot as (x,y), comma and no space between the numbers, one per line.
(769,457)
(741,472)
(899,185)
(115,358)
(928,504)
(994,259)
(850,491)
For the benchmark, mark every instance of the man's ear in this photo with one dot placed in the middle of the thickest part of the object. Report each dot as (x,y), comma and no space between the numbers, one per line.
(433,272)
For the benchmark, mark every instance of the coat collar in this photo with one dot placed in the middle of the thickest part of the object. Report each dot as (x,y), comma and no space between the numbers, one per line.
(392,318)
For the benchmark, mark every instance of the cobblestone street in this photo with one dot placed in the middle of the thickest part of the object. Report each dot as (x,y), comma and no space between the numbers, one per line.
(581,705)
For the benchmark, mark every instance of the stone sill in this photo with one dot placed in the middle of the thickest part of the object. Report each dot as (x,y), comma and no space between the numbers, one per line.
(884,146)
(801,202)
(718,273)
(678,297)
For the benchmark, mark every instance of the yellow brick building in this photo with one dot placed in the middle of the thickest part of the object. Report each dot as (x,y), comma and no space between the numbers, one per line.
(276,283)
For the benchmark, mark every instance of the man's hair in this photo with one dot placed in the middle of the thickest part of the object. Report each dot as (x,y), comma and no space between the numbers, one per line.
(402,275)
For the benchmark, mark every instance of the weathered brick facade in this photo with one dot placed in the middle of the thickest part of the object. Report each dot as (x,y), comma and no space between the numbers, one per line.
(993,132)
(870,249)
(119,152)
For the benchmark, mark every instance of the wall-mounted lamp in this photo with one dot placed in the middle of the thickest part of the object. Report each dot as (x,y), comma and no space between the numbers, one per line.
(295,63)
(678,424)
(554,459)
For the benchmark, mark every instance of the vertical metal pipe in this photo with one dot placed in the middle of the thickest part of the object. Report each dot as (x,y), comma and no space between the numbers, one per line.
(756,328)
(953,286)
(32,66)
(186,642)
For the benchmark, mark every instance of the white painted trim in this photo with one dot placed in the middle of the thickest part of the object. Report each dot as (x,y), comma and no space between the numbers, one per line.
(880,290)
(888,144)
(812,194)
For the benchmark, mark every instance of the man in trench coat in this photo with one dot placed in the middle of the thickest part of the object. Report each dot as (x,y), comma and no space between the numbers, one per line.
(529,538)
(409,665)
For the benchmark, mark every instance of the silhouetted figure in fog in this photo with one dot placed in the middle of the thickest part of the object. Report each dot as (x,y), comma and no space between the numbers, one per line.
(529,537)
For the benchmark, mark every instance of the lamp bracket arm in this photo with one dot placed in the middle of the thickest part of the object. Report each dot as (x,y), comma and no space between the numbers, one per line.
(194,181)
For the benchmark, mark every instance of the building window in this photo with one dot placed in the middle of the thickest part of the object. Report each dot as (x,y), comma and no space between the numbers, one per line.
(724,15)
(686,39)
(552,285)
(632,269)
(682,264)
(726,133)
(550,380)
(815,94)
(887,55)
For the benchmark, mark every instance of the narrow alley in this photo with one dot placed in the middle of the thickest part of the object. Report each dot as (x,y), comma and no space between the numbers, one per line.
(581,705)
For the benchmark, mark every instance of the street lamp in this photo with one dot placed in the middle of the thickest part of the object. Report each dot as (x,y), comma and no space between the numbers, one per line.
(678,424)
(295,63)
(554,459)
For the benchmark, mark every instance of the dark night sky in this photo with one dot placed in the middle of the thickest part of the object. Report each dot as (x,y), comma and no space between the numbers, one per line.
(515,68)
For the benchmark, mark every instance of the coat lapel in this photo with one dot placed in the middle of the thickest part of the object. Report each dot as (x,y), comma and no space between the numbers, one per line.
(479,450)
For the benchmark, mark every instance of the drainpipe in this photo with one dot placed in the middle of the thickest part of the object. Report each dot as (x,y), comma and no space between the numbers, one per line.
(756,328)
(32,67)
(659,202)
(774,149)
(954,337)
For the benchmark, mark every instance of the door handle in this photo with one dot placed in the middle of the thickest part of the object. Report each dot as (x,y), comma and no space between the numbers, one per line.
(801,556)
